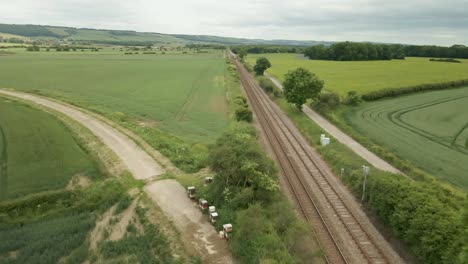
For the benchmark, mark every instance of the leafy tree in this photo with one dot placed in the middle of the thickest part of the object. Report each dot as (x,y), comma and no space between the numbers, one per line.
(300,85)
(261,65)
(242,54)
(240,163)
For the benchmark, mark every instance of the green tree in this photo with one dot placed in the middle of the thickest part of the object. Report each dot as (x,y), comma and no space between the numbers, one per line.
(300,85)
(261,65)
(242,54)
(240,163)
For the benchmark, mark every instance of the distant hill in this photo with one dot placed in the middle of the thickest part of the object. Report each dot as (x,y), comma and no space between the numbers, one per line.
(127,37)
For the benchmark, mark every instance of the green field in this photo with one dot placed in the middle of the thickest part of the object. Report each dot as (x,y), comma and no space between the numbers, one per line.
(181,94)
(365,76)
(428,129)
(37,152)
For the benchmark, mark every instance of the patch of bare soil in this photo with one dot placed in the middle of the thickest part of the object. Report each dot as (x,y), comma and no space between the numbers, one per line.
(196,231)
(98,232)
(148,123)
(120,228)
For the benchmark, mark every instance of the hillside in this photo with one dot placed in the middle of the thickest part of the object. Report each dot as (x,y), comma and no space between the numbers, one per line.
(127,37)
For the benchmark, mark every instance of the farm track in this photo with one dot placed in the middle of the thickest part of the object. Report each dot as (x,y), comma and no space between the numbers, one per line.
(344,238)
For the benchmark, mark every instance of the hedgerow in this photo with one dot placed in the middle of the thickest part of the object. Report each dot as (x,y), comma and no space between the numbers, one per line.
(393,92)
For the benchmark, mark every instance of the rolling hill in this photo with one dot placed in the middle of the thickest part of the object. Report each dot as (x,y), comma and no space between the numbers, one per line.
(128,37)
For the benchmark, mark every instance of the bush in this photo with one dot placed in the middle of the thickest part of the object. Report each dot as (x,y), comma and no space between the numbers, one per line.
(244,114)
(240,100)
(352,98)
(393,92)
(446,60)
(326,102)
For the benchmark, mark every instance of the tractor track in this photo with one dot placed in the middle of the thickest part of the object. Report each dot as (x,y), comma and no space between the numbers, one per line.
(344,238)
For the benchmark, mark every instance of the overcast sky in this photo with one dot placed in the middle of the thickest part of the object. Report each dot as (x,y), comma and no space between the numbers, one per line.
(397,21)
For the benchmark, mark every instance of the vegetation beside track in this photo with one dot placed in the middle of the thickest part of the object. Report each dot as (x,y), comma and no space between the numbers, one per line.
(246,194)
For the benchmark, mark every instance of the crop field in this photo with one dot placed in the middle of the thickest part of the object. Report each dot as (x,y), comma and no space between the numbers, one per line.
(37,152)
(182,94)
(429,129)
(366,76)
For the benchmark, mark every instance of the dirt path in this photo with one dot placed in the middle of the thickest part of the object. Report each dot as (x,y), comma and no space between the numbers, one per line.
(170,195)
(335,132)
(172,198)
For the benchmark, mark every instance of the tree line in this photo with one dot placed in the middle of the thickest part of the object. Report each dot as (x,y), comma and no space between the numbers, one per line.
(259,49)
(352,51)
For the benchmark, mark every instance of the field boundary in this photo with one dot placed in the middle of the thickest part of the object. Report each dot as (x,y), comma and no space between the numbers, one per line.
(401,91)
(345,139)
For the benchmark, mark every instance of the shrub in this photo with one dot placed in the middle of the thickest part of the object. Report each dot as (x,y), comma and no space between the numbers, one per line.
(244,114)
(445,60)
(352,98)
(326,102)
(240,100)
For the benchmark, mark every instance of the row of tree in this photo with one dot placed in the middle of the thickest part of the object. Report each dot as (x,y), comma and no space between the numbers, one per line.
(258,49)
(455,51)
(352,51)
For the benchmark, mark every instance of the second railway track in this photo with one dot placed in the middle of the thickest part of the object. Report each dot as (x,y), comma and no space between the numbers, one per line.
(301,167)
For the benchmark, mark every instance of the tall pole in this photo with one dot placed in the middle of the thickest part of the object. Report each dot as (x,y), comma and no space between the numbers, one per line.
(365,171)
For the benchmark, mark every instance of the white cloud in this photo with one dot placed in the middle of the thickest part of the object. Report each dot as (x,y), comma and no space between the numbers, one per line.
(417,21)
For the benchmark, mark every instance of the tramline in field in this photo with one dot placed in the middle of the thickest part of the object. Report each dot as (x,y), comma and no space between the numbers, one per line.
(428,129)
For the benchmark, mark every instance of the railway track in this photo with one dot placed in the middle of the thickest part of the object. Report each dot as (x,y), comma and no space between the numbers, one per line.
(344,239)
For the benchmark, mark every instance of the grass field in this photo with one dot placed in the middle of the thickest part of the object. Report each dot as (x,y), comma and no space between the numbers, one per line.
(181,94)
(430,130)
(37,152)
(365,76)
